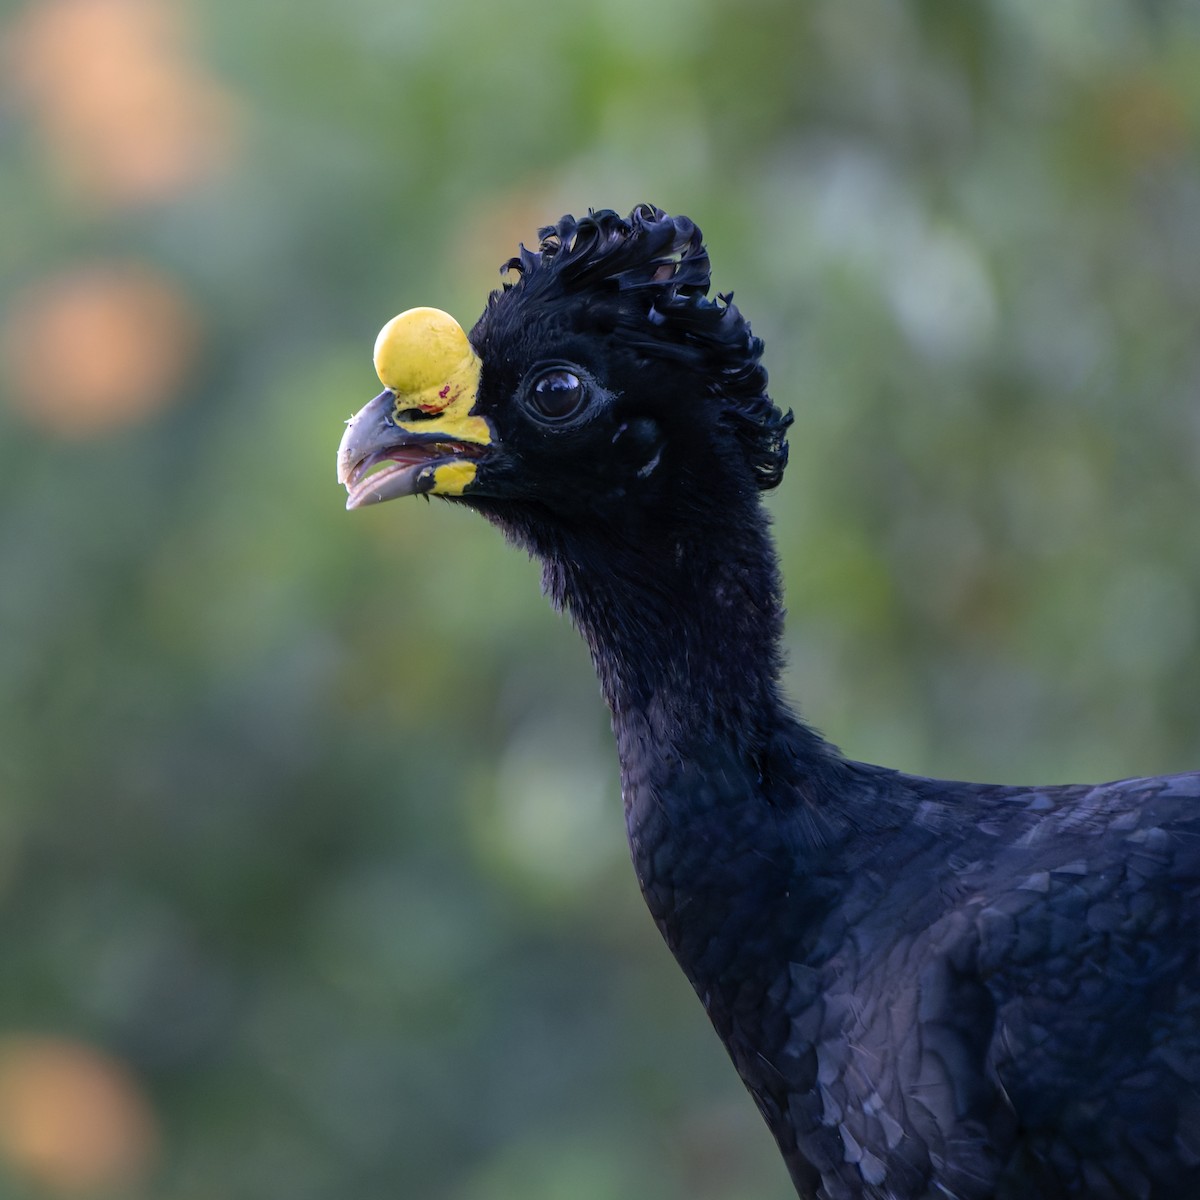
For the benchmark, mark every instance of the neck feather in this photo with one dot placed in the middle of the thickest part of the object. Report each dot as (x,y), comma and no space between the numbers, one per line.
(684,623)
(687,624)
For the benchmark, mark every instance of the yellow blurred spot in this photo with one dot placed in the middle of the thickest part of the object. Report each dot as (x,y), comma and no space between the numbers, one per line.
(96,348)
(71,1118)
(124,113)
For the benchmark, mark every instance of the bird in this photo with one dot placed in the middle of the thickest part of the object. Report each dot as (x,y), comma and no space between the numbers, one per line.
(931,989)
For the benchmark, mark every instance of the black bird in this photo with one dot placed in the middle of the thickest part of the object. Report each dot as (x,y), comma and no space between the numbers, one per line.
(931,989)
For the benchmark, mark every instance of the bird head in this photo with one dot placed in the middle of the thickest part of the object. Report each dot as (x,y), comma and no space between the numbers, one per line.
(599,381)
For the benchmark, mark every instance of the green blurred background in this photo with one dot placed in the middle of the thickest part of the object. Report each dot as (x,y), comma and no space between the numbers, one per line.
(312,870)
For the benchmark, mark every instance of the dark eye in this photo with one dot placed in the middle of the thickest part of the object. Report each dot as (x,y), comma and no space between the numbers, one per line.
(558,394)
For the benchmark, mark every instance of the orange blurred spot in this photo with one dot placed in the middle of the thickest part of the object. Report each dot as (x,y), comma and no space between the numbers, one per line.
(125,115)
(98,347)
(492,230)
(72,1118)
(1144,120)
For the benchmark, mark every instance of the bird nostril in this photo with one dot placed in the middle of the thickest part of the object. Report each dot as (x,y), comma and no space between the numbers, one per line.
(416,413)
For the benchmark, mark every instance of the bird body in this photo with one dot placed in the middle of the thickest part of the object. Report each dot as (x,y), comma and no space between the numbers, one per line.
(931,989)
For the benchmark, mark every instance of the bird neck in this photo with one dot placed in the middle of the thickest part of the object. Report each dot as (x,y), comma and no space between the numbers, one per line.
(733,807)
(684,623)
(717,773)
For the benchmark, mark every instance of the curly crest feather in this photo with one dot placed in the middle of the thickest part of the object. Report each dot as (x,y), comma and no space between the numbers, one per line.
(648,276)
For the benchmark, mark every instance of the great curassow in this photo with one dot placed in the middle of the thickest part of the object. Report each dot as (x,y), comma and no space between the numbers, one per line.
(931,989)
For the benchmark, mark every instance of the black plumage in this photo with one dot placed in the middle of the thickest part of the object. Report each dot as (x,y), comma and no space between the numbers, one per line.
(931,989)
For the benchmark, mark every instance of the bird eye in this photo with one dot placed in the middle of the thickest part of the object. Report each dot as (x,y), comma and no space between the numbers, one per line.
(558,394)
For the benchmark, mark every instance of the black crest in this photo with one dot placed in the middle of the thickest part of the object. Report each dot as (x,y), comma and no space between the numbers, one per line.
(647,277)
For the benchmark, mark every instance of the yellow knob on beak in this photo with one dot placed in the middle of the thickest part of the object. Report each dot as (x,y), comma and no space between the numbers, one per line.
(424,356)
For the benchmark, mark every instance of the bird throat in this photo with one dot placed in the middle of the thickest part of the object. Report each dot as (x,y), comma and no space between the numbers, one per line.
(686,627)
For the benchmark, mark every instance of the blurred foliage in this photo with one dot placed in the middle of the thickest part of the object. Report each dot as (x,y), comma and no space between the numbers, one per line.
(312,874)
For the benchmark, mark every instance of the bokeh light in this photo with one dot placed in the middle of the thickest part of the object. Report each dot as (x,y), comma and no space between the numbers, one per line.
(71,1118)
(98,347)
(123,110)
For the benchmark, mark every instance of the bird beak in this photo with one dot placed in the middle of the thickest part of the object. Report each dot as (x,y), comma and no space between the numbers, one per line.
(419,435)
